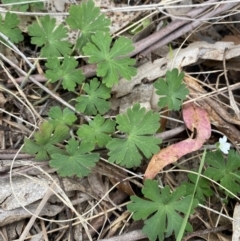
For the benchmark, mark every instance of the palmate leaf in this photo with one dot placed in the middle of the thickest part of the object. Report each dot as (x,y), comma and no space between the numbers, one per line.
(50,37)
(88,19)
(9,27)
(139,126)
(96,132)
(45,140)
(95,99)
(161,210)
(65,71)
(76,162)
(224,170)
(172,91)
(64,117)
(110,61)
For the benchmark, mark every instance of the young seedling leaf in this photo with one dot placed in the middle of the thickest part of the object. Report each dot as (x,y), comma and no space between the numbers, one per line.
(76,162)
(65,71)
(97,132)
(95,100)
(9,27)
(161,210)
(172,91)
(63,117)
(88,19)
(224,170)
(139,125)
(194,118)
(45,139)
(49,36)
(110,61)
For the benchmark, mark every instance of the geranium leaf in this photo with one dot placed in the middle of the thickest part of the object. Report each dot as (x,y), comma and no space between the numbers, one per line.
(139,125)
(76,162)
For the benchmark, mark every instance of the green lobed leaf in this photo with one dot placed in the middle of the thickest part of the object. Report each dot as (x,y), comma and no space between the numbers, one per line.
(63,117)
(9,27)
(172,91)
(97,132)
(226,171)
(95,100)
(65,71)
(110,61)
(49,36)
(88,19)
(139,126)
(45,139)
(76,162)
(160,209)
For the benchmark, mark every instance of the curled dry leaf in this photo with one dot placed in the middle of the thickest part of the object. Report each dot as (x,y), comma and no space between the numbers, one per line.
(195,118)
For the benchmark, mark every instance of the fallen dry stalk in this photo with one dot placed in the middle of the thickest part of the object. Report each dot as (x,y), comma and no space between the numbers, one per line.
(161,40)
(146,43)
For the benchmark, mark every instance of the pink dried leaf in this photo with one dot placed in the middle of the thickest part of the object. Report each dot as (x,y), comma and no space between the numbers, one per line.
(194,118)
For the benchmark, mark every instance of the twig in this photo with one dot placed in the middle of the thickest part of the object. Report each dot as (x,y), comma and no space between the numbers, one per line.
(17,50)
(207,231)
(9,154)
(20,92)
(171,133)
(87,118)
(47,195)
(117,198)
(88,70)
(146,43)
(189,27)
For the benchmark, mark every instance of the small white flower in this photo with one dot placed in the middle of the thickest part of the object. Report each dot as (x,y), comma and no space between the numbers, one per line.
(223,145)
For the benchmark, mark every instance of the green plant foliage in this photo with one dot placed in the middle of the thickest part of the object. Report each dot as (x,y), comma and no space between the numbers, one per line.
(76,162)
(129,138)
(139,126)
(96,132)
(95,100)
(65,71)
(172,91)
(160,209)
(224,170)
(203,188)
(9,27)
(45,139)
(23,7)
(63,117)
(110,61)
(50,37)
(88,19)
